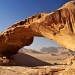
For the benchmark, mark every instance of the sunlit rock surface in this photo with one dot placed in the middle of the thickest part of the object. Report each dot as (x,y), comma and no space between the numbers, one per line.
(58,26)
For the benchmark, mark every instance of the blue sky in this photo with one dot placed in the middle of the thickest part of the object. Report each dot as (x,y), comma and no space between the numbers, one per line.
(12,11)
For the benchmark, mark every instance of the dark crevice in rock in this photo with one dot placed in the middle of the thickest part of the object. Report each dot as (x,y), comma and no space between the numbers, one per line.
(22,23)
(70,25)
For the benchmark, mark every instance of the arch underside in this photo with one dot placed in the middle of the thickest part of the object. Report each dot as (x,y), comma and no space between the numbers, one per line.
(58,26)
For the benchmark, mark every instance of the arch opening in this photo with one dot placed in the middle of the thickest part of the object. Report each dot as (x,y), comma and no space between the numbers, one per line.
(47,51)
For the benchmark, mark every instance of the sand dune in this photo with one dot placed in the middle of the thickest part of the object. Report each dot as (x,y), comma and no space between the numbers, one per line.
(27,60)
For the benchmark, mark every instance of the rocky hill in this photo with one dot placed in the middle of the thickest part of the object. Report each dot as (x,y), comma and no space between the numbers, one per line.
(24,50)
(50,50)
(57,50)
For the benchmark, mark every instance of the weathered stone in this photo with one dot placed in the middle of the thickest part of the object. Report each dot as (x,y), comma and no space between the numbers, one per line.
(58,26)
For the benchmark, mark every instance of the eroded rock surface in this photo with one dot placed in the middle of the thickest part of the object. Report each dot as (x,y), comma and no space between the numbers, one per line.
(58,26)
(29,70)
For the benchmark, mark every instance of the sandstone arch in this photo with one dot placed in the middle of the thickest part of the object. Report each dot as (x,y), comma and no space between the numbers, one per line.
(58,26)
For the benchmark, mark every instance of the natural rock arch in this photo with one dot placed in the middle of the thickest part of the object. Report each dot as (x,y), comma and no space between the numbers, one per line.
(58,26)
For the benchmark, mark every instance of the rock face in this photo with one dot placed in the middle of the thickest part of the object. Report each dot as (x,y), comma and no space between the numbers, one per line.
(58,26)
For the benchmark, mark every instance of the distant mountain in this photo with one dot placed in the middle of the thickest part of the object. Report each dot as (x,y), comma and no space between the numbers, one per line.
(72,52)
(49,50)
(24,50)
(57,50)
(54,51)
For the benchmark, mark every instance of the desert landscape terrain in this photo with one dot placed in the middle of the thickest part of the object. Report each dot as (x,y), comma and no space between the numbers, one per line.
(52,55)
(32,62)
(58,26)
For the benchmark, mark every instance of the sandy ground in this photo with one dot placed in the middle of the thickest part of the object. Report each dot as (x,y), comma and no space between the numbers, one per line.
(34,59)
(20,70)
(36,64)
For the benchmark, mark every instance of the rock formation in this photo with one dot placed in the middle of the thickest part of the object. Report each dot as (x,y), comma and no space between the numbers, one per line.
(58,26)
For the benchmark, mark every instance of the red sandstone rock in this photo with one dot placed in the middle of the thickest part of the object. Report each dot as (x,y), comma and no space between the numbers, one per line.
(58,26)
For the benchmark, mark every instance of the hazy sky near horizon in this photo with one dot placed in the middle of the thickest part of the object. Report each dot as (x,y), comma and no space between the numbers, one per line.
(12,11)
